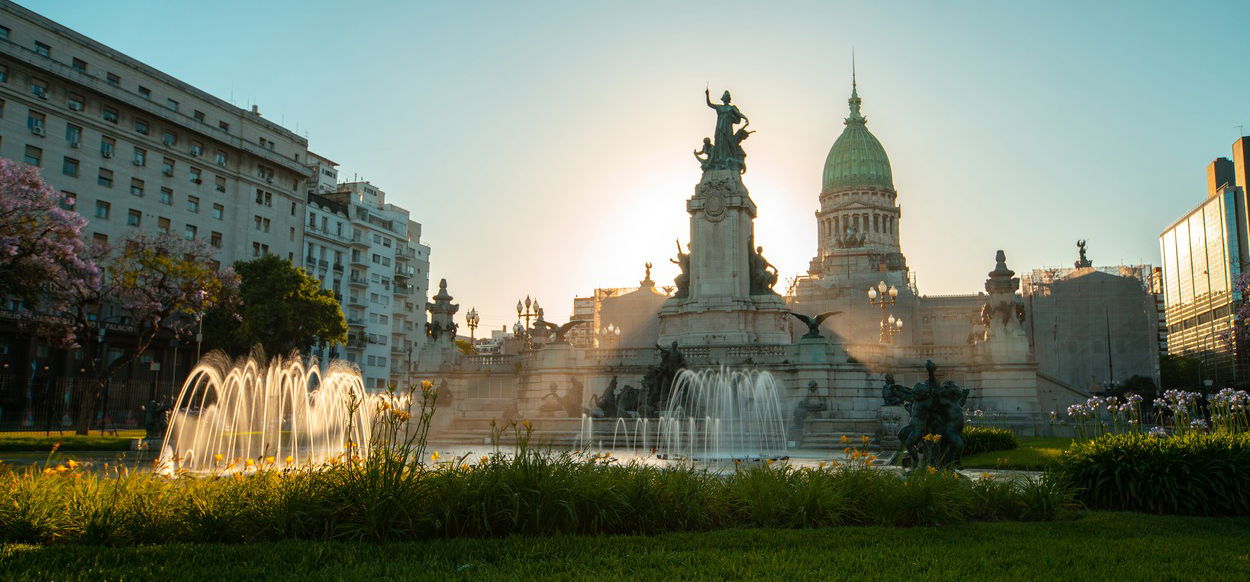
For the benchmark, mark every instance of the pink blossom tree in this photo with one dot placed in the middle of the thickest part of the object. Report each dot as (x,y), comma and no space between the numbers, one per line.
(39,238)
(157,284)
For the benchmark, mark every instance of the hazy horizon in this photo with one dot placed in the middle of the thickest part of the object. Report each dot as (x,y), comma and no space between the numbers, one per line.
(546,148)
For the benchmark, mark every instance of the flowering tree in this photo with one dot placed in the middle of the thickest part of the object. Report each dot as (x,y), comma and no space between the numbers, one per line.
(39,238)
(158,284)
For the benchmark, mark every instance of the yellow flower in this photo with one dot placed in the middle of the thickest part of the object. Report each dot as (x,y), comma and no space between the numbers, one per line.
(290,459)
(435,456)
(485,459)
(48,471)
(932,470)
(71,464)
(768,462)
(269,459)
(864,439)
(527,425)
(985,475)
(250,463)
(844,439)
(871,458)
(218,457)
(822,464)
(61,468)
(464,466)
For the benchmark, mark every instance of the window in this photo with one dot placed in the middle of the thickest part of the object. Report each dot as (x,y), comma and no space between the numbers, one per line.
(34,156)
(144,92)
(195,176)
(136,187)
(39,88)
(69,200)
(169,138)
(4,33)
(215,239)
(140,158)
(73,134)
(102,209)
(223,126)
(110,115)
(133,218)
(199,116)
(4,73)
(197,149)
(141,126)
(113,80)
(189,232)
(265,173)
(312,220)
(220,183)
(193,203)
(105,178)
(293,211)
(264,198)
(75,102)
(43,49)
(265,224)
(167,166)
(35,121)
(221,158)
(167,197)
(162,224)
(219,211)
(79,65)
(100,240)
(257,221)
(106,146)
(69,167)
(170,103)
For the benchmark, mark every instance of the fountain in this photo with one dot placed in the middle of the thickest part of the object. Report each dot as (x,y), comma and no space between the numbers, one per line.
(710,415)
(233,414)
(720,414)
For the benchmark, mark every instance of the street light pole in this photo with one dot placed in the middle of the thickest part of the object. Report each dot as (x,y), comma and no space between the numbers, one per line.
(885,298)
(472,319)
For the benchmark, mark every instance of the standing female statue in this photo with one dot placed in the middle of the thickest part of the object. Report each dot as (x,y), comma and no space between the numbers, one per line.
(725,142)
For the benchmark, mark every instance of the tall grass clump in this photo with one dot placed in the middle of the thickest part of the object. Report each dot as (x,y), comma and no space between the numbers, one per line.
(1195,473)
(984,439)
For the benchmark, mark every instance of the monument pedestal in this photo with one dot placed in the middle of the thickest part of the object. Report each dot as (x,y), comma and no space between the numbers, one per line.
(723,301)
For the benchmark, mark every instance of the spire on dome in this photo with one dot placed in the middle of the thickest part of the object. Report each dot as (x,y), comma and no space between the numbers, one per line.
(854,100)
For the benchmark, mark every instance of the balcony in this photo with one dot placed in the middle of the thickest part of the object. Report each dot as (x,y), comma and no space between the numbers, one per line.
(355,322)
(360,261)
(338,267)
(358,282)
(353,300)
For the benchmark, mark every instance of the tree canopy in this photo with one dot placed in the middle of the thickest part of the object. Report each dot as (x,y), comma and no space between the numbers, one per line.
(279,307)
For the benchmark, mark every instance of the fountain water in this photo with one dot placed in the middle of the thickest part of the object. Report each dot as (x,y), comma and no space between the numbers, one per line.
(722,413)
(230,411)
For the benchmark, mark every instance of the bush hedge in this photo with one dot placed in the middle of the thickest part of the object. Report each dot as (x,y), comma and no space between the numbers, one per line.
(527,493)
(983,439)
(1191,474)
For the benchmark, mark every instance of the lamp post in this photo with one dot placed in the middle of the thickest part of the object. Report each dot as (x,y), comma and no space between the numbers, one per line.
(885,298)
(199,330)
(526,311)
(471,318)
(612,334)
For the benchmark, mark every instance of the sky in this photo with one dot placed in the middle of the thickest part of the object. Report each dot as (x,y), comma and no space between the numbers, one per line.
(546,146)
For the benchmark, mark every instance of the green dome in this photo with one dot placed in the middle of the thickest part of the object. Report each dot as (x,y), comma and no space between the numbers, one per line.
(857,159)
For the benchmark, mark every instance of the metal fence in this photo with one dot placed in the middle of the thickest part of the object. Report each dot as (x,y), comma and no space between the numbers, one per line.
(50,404)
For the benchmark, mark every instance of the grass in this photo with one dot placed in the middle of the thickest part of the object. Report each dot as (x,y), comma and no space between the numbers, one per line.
(32,441)
(1094,546)
(1034,454)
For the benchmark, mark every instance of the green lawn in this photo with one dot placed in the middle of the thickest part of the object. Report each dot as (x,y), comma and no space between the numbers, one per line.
(1094,546)
(1033,454)
(43,442)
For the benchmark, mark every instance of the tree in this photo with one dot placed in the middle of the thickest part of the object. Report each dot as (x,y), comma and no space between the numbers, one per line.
(279,307)
(157,284)
(39,237)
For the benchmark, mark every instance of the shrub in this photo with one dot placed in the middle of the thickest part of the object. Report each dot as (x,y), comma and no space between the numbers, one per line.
(1191,474)
(983,439)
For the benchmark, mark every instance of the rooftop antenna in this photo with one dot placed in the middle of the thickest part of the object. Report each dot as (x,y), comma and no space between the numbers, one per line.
(1241,130)
(852,68)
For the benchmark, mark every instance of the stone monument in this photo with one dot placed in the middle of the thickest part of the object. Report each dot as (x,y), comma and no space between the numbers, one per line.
(724,292)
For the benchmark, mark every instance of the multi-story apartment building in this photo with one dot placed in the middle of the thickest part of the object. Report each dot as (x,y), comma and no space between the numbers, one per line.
(1205,253)
(135,150)
(370,253)
(139,150)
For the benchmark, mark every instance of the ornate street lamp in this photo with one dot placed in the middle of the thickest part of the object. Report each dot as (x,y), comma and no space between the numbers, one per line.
(885,298)
(612,334)
(471,318)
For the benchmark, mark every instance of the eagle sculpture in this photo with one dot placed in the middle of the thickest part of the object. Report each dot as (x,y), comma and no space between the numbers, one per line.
(813,323)
(558,331)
